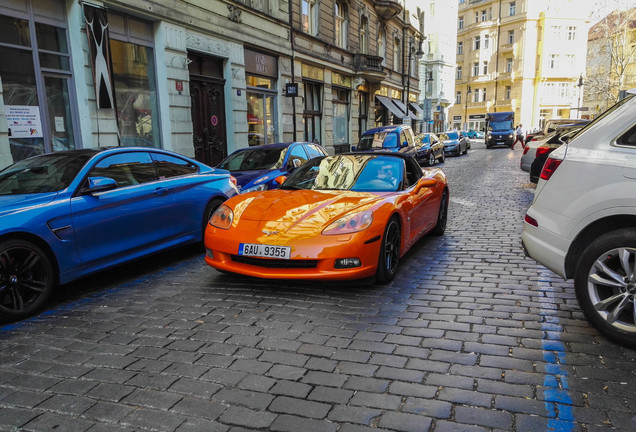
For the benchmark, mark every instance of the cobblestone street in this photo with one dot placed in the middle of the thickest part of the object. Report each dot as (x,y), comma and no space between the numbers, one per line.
(470,336)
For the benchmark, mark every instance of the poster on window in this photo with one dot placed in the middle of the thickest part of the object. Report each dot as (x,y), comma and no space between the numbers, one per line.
(24,121)
(99,48)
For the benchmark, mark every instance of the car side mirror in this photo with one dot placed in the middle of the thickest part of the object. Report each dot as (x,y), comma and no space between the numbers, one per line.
(353,148)
(425,182)
(99,184)
(405,144)
(280,180)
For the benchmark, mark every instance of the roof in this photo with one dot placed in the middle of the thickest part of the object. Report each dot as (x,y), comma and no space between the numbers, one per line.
(389,128)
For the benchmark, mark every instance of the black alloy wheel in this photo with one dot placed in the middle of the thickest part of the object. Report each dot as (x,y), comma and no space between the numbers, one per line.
(389,252)
(442,215)
(605,285)
(26,279)
(431,159)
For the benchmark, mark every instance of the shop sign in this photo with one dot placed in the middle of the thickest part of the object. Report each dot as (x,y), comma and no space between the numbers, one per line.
(291,89)
(313,72)
(261,64)
(24,121)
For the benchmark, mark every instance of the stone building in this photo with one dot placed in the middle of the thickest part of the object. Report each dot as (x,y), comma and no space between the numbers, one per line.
(521,56)
(202,78)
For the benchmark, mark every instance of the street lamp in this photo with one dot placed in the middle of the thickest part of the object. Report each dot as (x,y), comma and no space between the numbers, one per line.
(466,108)
(579,85)
(419,55)
(428,78)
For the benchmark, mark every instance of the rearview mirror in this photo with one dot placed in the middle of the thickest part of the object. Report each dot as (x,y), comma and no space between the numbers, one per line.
(99,184)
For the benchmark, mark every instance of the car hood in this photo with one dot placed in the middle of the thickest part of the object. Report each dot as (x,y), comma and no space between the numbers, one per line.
(253,178)
(13,203)
(300,207)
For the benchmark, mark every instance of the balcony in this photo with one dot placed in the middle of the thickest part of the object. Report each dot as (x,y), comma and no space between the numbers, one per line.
(369,67)
(507,48)
(387,9)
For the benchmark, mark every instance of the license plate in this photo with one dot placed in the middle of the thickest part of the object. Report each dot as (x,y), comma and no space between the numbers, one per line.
(265,251)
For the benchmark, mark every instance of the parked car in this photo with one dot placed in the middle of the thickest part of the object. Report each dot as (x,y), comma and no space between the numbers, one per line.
(465,135)
(543,151)
(454,143)
(582,222)
(551,126)
(255,168)
(396,138)
(342,217)
(530,151)
(430,149)
(67,214)
(472,133)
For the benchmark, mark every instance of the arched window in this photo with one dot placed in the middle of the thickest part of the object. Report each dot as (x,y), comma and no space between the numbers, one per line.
(342,23)
(382,45)
(364,35)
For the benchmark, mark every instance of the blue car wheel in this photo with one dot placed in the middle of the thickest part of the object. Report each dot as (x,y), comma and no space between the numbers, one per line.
(26,279)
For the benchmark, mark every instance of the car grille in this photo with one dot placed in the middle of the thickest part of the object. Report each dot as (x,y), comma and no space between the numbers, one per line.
(275,263)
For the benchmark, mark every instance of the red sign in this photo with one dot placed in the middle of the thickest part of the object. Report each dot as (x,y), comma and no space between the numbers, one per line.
(178,85)
(214,120)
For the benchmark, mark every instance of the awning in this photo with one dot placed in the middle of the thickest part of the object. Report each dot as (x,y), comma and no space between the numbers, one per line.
(419,112)
(388,104)
(400,105)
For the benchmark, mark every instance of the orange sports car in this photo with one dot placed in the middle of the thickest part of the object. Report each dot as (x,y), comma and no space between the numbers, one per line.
(342,217)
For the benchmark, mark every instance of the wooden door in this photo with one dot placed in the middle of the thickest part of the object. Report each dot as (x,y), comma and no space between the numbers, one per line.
(208,118)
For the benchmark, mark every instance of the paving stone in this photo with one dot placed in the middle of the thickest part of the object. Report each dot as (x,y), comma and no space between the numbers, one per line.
(153,419)
(249,399)
(50,421)
(483,417)
(353,414)
(248,418)
(67,404)
(405,422)
(286,423)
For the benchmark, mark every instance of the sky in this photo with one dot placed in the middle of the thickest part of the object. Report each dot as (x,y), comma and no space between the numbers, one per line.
(601,8)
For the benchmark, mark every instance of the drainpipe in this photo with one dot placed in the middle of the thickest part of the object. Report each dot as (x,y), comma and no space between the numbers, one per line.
(497,58)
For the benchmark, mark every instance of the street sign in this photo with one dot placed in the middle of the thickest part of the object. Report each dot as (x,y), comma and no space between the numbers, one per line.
(406,120)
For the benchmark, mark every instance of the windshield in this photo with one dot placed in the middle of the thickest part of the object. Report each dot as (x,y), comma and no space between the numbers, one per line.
(500,125)
(378,140)
(255,159)
(45,173)
(361,173)
(449,136)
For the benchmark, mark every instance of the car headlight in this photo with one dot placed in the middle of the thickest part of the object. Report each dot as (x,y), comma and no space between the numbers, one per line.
(489,136)
(350,224)
(510,136)
(260,187)
(222,217)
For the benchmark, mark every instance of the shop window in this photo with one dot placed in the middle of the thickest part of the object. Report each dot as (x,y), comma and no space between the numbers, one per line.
(363,103)
(261,113)
(312,114)
(36,96)
(340,116)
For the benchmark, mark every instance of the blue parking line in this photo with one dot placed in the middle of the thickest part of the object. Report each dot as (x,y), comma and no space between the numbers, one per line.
(558,402)
(69,306)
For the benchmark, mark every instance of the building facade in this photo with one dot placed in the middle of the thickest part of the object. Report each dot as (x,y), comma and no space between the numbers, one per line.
(201,78)
(521,56)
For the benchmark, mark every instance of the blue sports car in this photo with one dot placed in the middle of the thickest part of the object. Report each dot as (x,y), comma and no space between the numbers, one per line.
(255,168)
(67,214)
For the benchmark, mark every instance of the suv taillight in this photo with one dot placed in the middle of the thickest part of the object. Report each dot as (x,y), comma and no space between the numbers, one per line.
(542,150)
(549,168)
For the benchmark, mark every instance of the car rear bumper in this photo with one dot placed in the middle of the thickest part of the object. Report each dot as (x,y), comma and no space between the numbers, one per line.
(545,247)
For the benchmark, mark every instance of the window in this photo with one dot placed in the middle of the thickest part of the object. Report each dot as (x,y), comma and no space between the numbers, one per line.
(262,127)
(553,63)
(340,16)
(171,166)
(485,68)
(309,12)
(340,115)
(556,32)
(484,15)
(312,113)
(477,95)
(571,33)
(459,72)
(396,54)
(460,48)
(127,169)
(476,17)
(134,81)
(363,114)
(511,36)
(486,41)
(364,35)
(382,46)
(508,92)
(477,43)
(483,95)
(298,153)
(462,1)
(512,10)
(460,23)
(25,83)
(509,65)
(458,97)
(476,69)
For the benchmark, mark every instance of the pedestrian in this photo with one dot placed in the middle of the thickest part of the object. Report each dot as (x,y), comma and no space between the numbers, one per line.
(519,137)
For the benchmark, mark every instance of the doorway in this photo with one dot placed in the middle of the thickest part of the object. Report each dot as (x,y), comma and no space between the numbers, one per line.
(208,109)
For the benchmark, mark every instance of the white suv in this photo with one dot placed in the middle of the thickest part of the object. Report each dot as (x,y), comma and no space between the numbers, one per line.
(582,223)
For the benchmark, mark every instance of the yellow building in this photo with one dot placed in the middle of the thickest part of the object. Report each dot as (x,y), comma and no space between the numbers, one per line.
(521,56)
